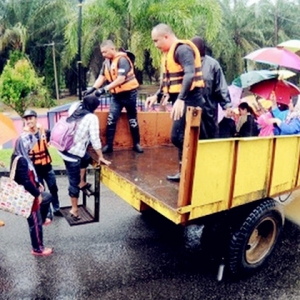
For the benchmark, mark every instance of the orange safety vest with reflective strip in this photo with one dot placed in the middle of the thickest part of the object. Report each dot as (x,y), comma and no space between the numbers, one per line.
(111,74)
(39,154)
(173,72)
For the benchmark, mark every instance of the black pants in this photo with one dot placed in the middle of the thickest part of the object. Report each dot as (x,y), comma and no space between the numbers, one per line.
(194,99)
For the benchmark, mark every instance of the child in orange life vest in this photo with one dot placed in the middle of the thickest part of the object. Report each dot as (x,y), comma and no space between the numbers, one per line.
(41,159)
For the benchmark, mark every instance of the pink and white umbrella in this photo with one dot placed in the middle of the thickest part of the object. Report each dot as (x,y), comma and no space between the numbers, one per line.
(276,56)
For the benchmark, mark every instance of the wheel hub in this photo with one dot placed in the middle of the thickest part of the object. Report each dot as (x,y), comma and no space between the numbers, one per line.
(261,240)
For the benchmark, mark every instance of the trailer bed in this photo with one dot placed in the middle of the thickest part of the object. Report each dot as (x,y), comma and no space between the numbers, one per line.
(147,171)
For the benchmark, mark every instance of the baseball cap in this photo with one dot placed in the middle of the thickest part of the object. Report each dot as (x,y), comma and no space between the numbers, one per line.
(29,113)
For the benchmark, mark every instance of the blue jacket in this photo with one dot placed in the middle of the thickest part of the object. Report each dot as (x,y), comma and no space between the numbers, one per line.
(293,127)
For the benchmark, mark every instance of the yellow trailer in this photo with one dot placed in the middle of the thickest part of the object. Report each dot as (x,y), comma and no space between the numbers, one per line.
(231,184)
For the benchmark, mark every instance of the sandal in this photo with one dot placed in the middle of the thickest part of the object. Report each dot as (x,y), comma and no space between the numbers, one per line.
(44,252)
(74,217)
(87,189)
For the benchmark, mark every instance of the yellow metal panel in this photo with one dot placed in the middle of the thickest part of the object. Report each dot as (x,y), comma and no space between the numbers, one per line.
(213,172)
(134,196)
(286,162)
(205,210)
(254,156)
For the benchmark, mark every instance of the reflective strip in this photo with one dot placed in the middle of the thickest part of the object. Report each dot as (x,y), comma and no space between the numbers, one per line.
(129,78)
(177,74)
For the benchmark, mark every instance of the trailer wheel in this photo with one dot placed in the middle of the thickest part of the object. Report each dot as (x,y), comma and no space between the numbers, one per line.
(193,237)
(254,241)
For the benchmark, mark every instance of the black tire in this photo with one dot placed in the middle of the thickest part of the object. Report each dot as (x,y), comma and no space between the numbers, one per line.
(254,241)
(193,237)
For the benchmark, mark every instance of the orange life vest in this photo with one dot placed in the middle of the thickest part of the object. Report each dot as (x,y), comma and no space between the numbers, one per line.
(111,74)
(173,72)
(39,154)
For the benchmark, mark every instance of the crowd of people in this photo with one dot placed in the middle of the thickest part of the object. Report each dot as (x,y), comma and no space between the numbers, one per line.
(190,77)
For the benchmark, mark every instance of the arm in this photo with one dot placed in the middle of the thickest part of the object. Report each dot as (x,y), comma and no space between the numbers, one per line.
(221,88)
(94,132)
(184,56)
(22,177)
(277,113)
(292,128)
(95,140)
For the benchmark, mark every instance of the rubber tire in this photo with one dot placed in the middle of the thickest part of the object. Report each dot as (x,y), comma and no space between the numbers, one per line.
(268,216)
(193,237)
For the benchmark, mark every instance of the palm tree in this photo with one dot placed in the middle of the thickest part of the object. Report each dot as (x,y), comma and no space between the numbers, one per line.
(239,35)
(28,25)
(279,20)
(129,24)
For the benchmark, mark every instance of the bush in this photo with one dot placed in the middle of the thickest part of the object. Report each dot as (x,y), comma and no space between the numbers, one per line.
(20,87)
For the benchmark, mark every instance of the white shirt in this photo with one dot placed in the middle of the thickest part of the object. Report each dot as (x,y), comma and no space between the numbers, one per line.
(87,131)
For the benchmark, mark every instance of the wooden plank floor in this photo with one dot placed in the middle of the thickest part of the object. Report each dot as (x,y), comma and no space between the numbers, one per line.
(148,171)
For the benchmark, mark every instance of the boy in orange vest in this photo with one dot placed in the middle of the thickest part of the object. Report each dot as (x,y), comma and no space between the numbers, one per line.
(41,159)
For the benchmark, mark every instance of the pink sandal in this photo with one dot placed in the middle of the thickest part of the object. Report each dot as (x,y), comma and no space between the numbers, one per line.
(45,252)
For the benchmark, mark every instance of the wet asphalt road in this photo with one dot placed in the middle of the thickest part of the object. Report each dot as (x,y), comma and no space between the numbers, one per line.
(130,256)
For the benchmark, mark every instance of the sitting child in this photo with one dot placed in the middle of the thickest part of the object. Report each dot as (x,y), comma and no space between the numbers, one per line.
(246,125)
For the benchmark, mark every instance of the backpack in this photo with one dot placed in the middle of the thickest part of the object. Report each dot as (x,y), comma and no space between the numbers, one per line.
(130,55)
(62,134)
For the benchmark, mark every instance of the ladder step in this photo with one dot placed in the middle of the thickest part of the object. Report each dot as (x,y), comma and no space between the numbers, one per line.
(86,216)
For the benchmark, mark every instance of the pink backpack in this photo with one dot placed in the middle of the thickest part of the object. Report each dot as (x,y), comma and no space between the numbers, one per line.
(62,134)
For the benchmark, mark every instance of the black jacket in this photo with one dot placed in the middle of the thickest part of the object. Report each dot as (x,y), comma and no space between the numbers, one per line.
(215,92)
(249,128)
(227,128)
(22,176)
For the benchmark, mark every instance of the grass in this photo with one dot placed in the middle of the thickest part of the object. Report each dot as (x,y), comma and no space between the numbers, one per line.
(57,161)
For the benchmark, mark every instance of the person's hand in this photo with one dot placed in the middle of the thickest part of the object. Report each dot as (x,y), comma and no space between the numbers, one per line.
(273,99)
(150,101)
(89,91)
(2,164)
(165,99)
(100,92)
(103,161)
(177,110)
(228,112)
(40,199)
(274,121)
(41,188)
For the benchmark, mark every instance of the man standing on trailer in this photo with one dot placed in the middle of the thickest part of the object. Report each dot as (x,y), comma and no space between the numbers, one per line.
(118,71)
(182,83)
(215,90)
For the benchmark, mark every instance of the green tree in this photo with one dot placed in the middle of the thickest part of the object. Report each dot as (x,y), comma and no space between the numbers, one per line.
(238,36)
(129,22)
(20,87)
(278,20)
(29,26)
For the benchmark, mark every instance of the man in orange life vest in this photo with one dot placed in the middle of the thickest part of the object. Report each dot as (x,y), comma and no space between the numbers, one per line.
(181,83)
(41,158)
(118,71)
